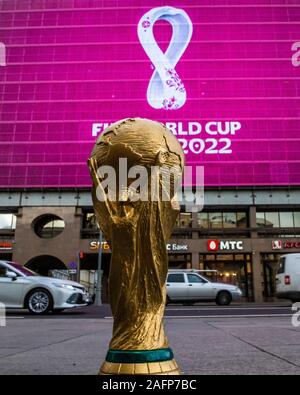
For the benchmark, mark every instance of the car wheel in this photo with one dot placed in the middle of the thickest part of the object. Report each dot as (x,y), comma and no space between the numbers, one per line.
(168,300)
(224,298)
(39,302)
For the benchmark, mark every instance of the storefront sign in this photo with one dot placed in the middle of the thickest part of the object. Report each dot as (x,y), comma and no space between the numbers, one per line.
(221,245)
(6,246)
(94,245)
(177,247)
(279,244)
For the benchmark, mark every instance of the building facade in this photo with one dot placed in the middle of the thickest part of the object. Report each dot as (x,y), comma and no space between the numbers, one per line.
(72,67)
(237,237)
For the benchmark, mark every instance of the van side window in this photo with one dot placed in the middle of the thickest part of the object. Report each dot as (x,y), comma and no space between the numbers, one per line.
(281,266)
(176,278)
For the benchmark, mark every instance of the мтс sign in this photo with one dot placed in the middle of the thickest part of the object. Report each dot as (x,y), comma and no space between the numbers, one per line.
(216,245)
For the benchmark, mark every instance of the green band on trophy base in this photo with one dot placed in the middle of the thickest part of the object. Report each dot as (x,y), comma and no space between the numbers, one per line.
(139,356)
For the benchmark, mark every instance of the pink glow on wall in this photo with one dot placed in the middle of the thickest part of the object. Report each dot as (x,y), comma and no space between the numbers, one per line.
(73,65)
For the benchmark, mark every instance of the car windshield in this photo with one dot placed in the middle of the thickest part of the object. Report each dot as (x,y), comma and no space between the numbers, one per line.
(22,269)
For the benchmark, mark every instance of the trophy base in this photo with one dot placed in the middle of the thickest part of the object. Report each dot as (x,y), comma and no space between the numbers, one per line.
(145,362)
(147,368)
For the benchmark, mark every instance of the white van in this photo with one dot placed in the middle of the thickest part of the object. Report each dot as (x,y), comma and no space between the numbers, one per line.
(288,277)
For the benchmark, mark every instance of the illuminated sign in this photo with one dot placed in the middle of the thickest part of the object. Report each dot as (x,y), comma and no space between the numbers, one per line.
(276,245)
(279,244)
(223,77)
(6,246)
(177,247)
(166,90)
(221,245)
(94,245)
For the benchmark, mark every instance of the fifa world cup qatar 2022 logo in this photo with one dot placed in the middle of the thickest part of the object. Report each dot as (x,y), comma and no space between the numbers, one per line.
(166,89)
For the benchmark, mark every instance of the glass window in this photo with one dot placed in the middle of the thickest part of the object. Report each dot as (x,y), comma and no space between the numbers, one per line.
(225,257)
(193,278)
(215,220)
(286,219)
(3,270)
(8,221)
(48,226)
(90,221)
(229,220)
(260,220)
(241,220)
(297,219)
(282,219)
(281,266)
(272,220)
(23,269)
(184,220)
(221,220)
(176,278)
(56,224)
(203,220)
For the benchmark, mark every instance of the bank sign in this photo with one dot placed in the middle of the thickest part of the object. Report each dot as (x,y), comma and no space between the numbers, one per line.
(171,247)
(223,76)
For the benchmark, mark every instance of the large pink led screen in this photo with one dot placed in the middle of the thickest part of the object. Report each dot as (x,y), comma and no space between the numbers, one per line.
(224,75)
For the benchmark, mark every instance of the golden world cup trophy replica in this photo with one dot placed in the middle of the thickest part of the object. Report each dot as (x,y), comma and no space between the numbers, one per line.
(137,226)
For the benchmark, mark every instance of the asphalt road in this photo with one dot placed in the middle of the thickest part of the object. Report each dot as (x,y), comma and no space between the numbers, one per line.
(173,311)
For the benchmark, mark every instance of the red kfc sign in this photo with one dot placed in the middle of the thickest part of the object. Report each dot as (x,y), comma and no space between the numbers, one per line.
(279,244)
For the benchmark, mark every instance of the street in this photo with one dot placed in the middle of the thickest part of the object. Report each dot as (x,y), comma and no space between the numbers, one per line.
(206,339)
(175,310)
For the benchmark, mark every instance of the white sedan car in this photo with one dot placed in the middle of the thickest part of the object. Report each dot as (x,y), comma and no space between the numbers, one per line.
(21,288)
(188,287)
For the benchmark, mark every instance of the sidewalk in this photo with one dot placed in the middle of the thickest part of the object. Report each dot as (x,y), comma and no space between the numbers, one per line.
(230,346)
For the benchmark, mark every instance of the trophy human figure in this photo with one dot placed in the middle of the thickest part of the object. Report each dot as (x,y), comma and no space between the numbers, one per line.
(137,231)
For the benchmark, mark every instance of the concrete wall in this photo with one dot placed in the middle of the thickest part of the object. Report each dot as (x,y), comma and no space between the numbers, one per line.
(65,246)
